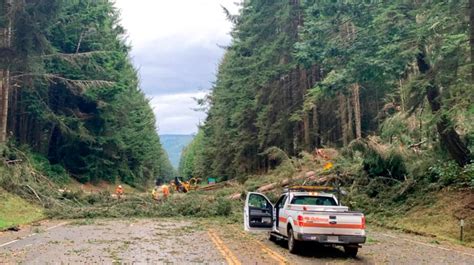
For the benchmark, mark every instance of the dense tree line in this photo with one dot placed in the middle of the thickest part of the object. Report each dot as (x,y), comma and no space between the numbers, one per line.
(192,163)
(301,75)
(70,92)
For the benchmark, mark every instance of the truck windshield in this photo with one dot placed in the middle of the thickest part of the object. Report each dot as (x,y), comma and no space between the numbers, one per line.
(313,200)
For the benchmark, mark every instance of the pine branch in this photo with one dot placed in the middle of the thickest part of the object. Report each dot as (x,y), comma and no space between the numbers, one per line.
(70,57)
(232,18)
(78,59)
(78,87)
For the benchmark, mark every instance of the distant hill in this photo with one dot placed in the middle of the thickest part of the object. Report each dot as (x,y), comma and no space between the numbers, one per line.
(174,144)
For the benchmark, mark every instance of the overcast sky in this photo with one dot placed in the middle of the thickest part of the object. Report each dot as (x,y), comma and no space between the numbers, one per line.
(175,47)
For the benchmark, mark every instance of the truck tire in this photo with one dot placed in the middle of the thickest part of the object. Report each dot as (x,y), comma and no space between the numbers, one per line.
(351,251)
(293,244)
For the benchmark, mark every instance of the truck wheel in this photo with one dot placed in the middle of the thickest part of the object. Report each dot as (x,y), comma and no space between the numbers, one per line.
(293,244)
(351,251)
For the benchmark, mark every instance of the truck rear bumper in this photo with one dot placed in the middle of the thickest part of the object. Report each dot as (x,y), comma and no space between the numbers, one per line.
(332,239)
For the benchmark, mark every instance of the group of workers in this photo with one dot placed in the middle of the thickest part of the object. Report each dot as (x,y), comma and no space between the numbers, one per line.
(161,191)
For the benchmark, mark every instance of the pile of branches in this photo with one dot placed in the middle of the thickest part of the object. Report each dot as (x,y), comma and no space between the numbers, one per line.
(19,177)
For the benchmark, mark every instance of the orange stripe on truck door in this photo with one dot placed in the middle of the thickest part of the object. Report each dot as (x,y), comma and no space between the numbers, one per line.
(282,219)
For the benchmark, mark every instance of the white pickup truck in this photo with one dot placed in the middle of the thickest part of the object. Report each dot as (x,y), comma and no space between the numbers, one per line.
(306,213)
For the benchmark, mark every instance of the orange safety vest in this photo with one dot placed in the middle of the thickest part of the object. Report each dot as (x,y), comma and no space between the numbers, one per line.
(166,190)
(119,190)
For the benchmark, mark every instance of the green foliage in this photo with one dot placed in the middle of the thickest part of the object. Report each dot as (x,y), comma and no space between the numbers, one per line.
(288,80)
(80,102)
(24,179)
(56,173)
(449,173)
(239,120)
(223,207)
(469,173)
(392,166)
(103,205)
(16,211)
(192,162)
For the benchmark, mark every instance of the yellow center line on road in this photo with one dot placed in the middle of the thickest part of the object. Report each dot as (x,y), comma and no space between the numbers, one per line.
(279,258)
(228,255)
(218,246)
(273,254)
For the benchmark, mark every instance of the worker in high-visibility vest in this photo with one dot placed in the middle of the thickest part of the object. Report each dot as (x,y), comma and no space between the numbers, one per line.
(155,194)
(166,191)
(119,191)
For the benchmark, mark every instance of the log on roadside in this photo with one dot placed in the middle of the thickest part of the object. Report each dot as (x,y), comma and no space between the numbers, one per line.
(267,187)
(235,196)
(286,182)
(227,183)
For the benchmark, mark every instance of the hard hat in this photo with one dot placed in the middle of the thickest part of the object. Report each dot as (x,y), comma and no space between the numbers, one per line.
(120,186)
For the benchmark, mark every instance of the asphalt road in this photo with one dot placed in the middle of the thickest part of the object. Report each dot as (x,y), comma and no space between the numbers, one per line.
(185,241)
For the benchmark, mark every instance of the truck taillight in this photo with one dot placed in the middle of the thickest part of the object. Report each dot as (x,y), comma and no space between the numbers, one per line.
(300,220)
(363,222)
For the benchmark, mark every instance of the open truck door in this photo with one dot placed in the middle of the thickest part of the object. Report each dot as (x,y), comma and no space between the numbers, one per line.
(258,213)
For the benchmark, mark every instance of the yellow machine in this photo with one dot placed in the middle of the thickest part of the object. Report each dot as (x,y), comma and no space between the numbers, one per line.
(180,185)
(194,183)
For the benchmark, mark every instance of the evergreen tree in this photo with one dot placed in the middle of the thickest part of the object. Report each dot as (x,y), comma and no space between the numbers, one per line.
(75,95)
(318,73)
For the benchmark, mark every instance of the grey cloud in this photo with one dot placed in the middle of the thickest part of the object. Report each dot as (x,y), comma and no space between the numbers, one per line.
(175,47)
(175,113)
(179,68)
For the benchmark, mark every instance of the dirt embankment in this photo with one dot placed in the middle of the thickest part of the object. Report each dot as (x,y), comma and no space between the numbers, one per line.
(439,217)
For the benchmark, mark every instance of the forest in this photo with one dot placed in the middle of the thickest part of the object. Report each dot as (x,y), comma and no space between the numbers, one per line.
(70,96)
(391,81)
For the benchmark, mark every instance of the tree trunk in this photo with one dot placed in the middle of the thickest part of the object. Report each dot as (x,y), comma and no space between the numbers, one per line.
(12,112)
(315,124)
(343,118)
(357,114)
(303,86)
(22,123)
(350,128)
(5,74)
(2,91)
(307,138)
(449,137)
(471,24)
(4,108)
